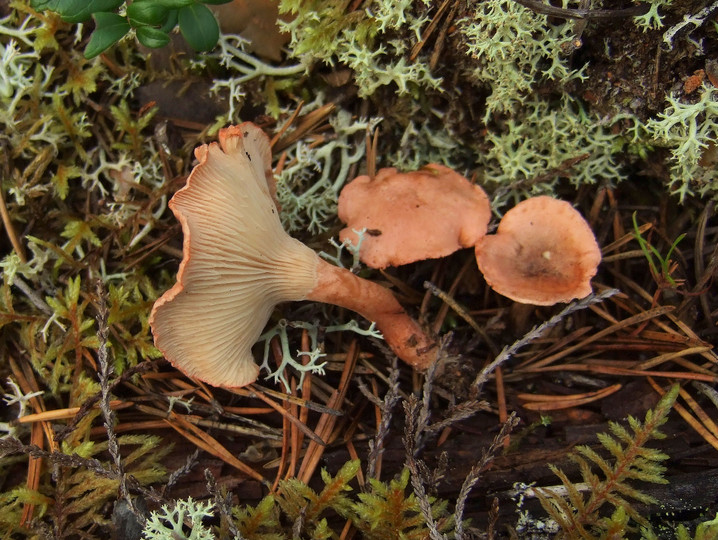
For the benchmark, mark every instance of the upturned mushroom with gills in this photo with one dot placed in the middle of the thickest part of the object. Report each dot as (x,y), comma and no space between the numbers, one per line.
(239,263)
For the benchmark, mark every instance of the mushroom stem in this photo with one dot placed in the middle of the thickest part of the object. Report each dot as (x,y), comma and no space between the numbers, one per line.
(403,334)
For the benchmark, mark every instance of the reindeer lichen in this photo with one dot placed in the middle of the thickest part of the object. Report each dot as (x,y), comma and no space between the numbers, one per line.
(532,150)
(362,40)
(313,358)
(309,184)
(688,127)
(652,19)
(168,523)
(515,48)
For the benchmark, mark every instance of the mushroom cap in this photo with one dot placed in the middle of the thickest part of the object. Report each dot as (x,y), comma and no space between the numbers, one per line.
(424,214)
(238,262)
(543,253)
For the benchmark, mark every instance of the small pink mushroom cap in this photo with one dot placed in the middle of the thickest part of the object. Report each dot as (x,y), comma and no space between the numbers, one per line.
(424,214)
(543,253)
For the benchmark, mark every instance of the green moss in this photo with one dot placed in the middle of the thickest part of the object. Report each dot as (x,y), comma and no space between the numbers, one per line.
(383,511)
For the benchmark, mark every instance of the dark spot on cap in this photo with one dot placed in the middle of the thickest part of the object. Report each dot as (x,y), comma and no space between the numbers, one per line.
(373,232)
(248,156)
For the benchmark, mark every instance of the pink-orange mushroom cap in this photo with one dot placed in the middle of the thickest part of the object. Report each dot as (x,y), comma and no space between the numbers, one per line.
(412,216)
(239,263)
(543,253)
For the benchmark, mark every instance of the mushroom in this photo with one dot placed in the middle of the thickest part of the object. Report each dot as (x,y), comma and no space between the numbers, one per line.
(408,217)
(239,263)
(543,253)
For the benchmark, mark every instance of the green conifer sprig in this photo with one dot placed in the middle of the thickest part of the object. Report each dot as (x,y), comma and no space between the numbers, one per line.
(302,504)
(385,512)
(578,514)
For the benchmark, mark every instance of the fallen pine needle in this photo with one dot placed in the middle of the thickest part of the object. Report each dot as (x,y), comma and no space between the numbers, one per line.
(543,402)
(688,417)
(208,443)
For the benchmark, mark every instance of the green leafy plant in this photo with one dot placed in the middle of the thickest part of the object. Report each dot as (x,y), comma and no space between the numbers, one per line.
(151,20)
(579,515)
(661,267)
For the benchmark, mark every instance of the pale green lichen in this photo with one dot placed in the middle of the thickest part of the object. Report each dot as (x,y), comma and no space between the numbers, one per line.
(241,67)
(688,127)
(690,22)
(30,269)
(361,40)
(313,362)
(652,19)
(353,250)
(533,150)
(168,523)
(515,48)
(20,403)
(427,141)
(309,184)
(37,99)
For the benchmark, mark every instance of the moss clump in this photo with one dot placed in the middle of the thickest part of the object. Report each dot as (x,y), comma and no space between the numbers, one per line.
(384,511)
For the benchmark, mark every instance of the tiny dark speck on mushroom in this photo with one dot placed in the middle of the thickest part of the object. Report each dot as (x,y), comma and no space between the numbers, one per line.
(246,133)
(373,232)
(248,156)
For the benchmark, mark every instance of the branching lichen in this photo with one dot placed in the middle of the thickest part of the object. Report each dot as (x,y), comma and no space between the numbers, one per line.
(352,249)
(691,21)
(530,152)
(689,128)
(313,362)
(309,184)
(515,48)
(241,67)
(362,40)
(168,523)
(652,19)
(427,141)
